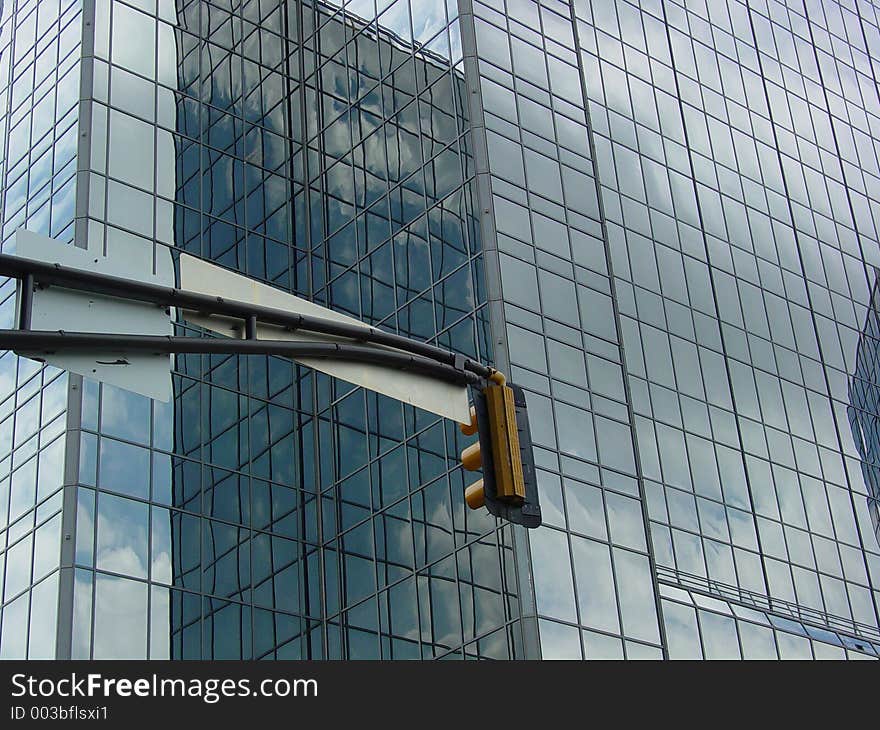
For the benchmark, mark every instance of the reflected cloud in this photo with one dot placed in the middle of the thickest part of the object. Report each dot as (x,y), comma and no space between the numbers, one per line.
(122,545)
(422,23)
(120,618)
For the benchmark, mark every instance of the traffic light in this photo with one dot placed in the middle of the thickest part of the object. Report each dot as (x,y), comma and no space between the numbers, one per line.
(508,488)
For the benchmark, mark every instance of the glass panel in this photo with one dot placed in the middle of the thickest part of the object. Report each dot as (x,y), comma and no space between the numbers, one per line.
(44,610)
(553,587)
(13,640)
(120,618)
(123,535)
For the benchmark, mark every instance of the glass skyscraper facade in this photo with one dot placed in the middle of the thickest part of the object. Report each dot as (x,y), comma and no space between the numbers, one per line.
(659,218)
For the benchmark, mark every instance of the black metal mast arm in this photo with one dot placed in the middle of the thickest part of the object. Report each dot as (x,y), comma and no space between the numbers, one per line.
(51,274)
(35,342)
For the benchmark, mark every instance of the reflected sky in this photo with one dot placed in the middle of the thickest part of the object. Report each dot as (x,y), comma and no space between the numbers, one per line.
(120,630)
(417,22)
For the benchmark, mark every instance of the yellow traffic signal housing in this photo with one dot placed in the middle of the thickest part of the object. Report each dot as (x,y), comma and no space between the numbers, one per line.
(504,438)
(508,488)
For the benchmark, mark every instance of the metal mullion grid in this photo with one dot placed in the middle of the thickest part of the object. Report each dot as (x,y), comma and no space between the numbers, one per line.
(319,181)
(55,27)
(874,77)
(508,626)
(205,164)
(199,144)
(309,248)
(208,610)
(234,550)
(408,499)
(747,476)
(373,33)
(287,73)
(544,337)
(649,381)
(178,598)
(505,627)
(92,569)
(328,60)
(156,198)
(314,83)
(150,545)
(699,636)
(372,522)
(736,620)
(422,572)
(388,119)
(374,461)
(717,310)
(329,13)
(182,513)
(350,63)
(385,122)
(433,206)
(18,22)
(31,531)
(339,537)
(12,417)
(471,64)
(242,421)
(103,109)
(825,373)
(303,580)
(244,363)
(381,514)
(439,206)
(305,576)
(7,112)
(782,378)
(865,38)
(411,59)
(97,490)
(362,397)
(511,590)
(809,298)
(203,597)
(25,108)
(338,500)
(621,364)
(507,574)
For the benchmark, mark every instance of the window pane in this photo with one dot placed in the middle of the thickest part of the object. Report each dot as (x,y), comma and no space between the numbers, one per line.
(120,618)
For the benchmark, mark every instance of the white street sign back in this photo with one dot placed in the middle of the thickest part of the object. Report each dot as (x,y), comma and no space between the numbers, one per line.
(56,308)
(422,391)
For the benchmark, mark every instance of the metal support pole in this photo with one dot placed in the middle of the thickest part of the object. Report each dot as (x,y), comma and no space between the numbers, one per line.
(250,328)
(26,305)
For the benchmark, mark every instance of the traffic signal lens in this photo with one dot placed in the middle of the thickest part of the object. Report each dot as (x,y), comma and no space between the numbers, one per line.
(471,458)
(474,495)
